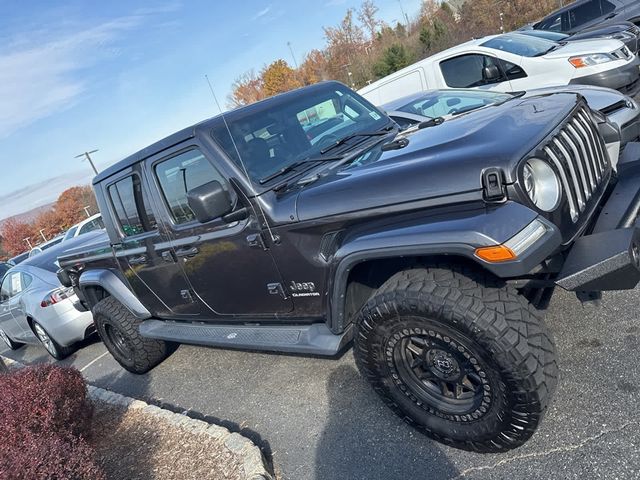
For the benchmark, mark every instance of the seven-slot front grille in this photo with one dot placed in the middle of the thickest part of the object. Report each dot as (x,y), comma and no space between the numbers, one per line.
(579,155)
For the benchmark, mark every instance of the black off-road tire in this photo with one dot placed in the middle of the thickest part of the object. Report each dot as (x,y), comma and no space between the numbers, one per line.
(118,329)
(451,319)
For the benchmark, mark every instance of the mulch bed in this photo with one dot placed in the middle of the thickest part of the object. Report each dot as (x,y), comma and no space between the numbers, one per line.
(132,446)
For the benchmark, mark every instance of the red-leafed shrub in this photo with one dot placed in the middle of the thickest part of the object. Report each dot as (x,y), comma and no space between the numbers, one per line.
(44,417)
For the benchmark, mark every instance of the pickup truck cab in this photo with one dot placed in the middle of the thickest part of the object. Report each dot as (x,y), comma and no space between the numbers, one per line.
(307,222)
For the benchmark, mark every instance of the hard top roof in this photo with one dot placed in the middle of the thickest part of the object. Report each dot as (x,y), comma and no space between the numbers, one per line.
(205,126)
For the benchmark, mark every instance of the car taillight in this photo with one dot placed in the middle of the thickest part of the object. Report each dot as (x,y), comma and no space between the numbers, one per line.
(56,296)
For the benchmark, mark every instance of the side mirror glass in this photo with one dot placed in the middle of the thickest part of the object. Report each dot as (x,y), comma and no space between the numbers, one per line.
(209,201)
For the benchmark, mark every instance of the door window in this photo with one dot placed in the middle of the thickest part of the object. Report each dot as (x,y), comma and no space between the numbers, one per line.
(5,290)
(12,285)
(180,174)
(584,13)
(467,71)
(131,206)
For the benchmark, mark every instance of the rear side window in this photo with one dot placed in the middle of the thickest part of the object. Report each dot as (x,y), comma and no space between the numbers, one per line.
(180,174)
(95,224)
(131,206)
(553,23)
(512,71)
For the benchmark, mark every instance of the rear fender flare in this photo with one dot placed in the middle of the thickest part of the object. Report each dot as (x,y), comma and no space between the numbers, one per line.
(111,283)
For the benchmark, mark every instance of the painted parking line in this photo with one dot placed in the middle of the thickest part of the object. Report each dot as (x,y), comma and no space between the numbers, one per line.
(93,361)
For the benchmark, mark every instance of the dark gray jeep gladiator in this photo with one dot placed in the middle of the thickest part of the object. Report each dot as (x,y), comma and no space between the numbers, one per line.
(307,222)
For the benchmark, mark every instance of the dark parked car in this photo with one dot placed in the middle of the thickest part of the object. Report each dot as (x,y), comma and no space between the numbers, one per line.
(434,251)
(626,32)
(19,258)
(584,14)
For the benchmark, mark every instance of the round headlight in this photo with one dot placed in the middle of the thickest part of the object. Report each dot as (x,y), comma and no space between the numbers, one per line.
(542,184)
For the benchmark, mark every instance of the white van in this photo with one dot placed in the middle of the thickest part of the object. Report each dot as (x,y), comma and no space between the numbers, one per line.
(514,62)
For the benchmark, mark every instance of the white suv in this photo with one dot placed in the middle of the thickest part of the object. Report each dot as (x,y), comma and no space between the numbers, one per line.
(514,62)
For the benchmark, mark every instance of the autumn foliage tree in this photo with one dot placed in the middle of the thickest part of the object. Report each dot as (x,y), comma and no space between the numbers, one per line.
(14,234)
(68,210)
(361,48)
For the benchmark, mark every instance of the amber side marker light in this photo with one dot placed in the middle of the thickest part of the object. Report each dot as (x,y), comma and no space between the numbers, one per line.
(497,253)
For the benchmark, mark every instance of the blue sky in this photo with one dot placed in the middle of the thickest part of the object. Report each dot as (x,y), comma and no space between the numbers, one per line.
(118,75)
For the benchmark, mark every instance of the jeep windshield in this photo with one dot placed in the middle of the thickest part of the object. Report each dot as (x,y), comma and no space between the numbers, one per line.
(288,133)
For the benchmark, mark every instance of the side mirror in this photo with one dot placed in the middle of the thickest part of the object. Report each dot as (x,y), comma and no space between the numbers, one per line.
(209,201)
(491,72)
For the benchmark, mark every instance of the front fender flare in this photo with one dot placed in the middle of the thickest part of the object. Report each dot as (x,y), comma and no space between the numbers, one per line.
(110,282)
(455,235)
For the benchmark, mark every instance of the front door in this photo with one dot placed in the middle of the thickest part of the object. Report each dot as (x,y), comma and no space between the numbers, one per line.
(228,264)
(474,70)
(144,252)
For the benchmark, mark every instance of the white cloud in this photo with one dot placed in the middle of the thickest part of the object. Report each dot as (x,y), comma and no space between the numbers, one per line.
(38,80)
(261,13)
(42,193)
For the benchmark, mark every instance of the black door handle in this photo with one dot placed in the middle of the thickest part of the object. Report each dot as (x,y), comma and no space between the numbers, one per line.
(142,259)
(187,252)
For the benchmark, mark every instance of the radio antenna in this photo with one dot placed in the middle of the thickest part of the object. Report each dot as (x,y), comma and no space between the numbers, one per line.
(274,239)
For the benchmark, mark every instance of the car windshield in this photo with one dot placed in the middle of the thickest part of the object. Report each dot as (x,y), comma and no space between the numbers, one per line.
(280,132)
(452,102)
(523,45)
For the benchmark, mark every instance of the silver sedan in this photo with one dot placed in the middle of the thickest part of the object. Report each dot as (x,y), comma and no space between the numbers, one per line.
(36,309)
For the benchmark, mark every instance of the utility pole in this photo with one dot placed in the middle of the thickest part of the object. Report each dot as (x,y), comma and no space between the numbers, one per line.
(87,156)
(28,243)
(404,14)
(42,235)
(295,62)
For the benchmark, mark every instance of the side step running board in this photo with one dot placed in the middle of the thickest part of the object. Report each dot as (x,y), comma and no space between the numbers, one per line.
(315,339)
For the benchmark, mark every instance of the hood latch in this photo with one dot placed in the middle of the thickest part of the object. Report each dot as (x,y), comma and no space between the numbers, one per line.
(493,185)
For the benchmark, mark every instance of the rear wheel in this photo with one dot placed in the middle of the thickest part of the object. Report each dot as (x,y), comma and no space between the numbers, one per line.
(10,343)
(118,329)
(56,350)
(458,355)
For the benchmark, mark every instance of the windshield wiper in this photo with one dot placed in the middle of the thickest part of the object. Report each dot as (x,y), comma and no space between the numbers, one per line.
(295,165)
(401,141)
(342,141)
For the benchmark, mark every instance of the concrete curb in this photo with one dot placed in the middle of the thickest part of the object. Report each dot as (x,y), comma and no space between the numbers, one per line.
(253,462)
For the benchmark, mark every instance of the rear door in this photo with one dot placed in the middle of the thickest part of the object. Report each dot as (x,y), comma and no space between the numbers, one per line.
(227,264)
(144,250)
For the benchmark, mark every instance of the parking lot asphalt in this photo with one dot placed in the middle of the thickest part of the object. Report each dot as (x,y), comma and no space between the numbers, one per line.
(318,419)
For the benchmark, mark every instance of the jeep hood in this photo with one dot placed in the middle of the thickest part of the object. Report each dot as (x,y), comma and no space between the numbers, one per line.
(439,161)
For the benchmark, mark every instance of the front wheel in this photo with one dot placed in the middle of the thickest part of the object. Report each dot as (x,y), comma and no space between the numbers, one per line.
(458,355)
(118,329)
